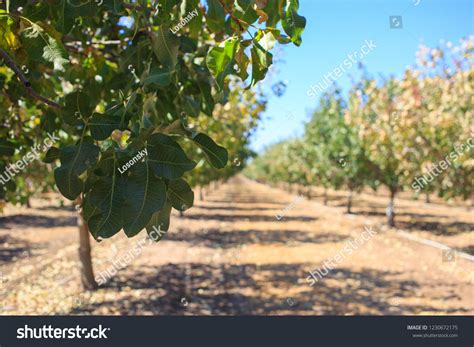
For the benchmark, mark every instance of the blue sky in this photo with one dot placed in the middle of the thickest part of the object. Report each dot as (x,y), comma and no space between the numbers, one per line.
(336,28)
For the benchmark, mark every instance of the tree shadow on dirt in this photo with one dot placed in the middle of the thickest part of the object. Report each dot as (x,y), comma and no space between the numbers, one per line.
(381,213)
(437,228)
(19,221)
(249,289)
(216,238)
(248,217)
(12,249)
(55,208)
(468,249)
(422,221)
(237,208)
(245,202)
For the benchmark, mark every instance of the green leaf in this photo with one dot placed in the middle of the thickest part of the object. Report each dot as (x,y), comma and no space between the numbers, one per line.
(66,17)
(180,195)
(77,106)
(74,161)
(83,8)
(243,10)
(215,154)
(165,46)
(38,12)
(261,61)
(215,16)
(268,39)
(52,155)
(207,101)
(7,148)
(158,76)
(242,61)
(292,23)
(102,125)
(168,5)
(145,194)
(33,43)
(191,106)
(116,6)
(160,221)
(107,196)
(166,157)
(3,78)
(220,60)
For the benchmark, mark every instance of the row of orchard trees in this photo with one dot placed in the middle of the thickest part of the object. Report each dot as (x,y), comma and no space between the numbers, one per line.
(412,133)
(232,125)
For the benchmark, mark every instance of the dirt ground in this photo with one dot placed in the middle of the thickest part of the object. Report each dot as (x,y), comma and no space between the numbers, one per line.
(247,249)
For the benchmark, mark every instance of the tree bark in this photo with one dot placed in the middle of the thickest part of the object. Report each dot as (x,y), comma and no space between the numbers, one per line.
(201,195)
(308,193)
(349,202)
(87,272)
(391,209)
(427,198)
(325,196)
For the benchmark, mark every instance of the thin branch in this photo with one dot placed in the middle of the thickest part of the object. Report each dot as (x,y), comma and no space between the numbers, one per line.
(133,7)
(231,13)
(19,73)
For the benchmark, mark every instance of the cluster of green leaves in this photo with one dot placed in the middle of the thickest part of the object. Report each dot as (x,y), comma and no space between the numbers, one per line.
(127,87)
(387,133)
(232,125)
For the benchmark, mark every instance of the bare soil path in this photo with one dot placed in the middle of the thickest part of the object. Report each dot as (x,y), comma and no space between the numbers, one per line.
(231,255)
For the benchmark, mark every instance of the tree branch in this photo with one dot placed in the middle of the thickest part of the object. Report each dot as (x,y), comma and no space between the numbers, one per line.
(133,7)
(231,14)
(19,73)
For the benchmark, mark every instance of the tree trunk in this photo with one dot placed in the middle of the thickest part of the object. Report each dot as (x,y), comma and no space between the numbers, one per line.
(201,195)
(87,273)
(308,193)
(349,202)
(391,209)
(325,196)
(427,198)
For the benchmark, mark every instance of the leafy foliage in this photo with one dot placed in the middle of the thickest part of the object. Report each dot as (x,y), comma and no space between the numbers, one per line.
(124,82)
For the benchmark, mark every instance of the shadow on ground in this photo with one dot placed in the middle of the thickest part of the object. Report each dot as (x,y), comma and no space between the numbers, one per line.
(216,238)
(19,221)
(11,249)
(244,290)
(247,217)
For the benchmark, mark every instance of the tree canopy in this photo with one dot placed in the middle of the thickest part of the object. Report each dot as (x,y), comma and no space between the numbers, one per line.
(110,79)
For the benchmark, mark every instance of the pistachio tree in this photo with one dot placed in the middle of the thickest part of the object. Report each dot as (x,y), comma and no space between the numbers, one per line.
(113,78)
